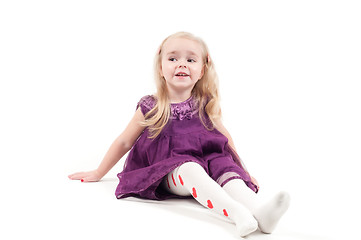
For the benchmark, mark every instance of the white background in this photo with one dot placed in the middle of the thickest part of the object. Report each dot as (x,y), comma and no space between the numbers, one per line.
(72,72)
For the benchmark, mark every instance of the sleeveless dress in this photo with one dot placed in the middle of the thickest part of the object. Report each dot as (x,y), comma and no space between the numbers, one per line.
(183,139)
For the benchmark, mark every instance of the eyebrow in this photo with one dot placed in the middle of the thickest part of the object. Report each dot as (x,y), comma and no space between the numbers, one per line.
(175,52)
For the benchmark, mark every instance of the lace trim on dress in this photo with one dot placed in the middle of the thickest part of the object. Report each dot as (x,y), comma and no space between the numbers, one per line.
(180,111)
(183,110)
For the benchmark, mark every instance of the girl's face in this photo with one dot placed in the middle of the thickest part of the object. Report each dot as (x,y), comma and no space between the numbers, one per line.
(182,64)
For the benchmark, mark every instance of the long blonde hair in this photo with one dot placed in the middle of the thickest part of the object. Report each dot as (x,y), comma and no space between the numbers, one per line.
(205,91)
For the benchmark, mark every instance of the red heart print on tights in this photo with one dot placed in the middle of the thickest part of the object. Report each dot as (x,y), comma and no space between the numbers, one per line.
(173,180)
(194,192)
(209,204)
(225,212)
(180,179)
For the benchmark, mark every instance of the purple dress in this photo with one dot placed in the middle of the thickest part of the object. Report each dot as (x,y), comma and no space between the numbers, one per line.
(183,139)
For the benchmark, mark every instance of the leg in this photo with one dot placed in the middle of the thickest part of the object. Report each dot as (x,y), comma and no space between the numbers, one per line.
(191,178)
(267,214)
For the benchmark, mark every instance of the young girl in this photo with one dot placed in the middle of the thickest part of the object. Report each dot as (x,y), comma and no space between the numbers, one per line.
(179,147)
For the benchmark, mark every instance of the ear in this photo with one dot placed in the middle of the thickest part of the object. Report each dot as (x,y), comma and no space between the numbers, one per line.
(205,65)
(208,59)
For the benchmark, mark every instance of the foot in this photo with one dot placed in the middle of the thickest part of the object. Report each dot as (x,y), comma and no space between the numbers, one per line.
(246,227)
(270,213)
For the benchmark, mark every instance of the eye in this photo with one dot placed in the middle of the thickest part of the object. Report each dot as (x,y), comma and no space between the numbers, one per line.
(191,60)
(172,59)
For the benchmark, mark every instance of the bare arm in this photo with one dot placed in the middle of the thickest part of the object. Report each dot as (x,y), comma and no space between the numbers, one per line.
(117,150)
(223,130)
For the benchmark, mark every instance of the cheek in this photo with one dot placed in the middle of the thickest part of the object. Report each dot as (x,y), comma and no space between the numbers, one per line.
(168,71)
(164,69)
(197,71)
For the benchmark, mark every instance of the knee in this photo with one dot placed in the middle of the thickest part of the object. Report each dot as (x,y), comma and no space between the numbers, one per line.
(190,167)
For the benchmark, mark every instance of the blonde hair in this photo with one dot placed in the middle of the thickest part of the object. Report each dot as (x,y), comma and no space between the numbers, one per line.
(205,91)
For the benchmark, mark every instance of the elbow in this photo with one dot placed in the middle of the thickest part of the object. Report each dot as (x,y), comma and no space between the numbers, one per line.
(126,145)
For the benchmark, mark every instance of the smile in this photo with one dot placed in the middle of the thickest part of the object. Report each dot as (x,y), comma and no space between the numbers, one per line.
(182,74)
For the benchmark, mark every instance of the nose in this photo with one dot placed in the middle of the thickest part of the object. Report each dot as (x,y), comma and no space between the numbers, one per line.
(182,63)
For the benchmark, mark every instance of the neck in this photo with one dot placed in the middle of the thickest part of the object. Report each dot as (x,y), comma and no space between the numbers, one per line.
(179,97)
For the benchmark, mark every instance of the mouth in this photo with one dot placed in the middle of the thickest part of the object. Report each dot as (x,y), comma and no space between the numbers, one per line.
(182,74)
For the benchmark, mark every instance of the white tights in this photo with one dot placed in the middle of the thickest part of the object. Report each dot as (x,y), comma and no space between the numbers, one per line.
(235,200)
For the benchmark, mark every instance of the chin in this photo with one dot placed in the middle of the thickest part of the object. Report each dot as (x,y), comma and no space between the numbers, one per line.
(182,85)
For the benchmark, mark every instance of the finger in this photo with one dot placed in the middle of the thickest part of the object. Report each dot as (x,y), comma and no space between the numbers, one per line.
(77,176)
(71,175)
(89,179)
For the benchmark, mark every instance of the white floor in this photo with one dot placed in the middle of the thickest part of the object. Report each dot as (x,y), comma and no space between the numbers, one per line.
(183,219)
(64,209)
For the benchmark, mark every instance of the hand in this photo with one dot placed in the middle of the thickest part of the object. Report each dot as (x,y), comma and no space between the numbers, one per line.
(255,182)
(91,176)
